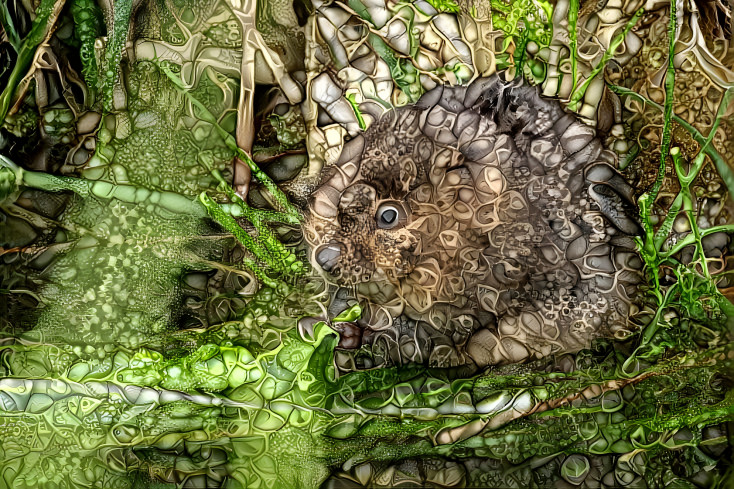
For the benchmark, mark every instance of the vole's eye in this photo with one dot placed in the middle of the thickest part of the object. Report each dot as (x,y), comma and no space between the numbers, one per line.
(389,216)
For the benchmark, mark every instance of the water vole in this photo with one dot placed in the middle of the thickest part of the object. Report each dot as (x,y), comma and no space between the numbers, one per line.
(482,224)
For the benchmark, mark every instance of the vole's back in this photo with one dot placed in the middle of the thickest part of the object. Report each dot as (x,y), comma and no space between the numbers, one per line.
(511,233)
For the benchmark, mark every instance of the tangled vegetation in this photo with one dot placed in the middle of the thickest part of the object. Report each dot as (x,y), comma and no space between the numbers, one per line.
(161,328)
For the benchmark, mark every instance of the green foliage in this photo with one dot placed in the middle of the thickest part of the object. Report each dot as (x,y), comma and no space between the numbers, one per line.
(401,69)
(694,293)
(291,214)
(118,28)
(105,386)
(647,249)
(522,21)
(286,398)
(266,247)
(46,14)
(578,93)
(445,5)
(88,24)
(7,24)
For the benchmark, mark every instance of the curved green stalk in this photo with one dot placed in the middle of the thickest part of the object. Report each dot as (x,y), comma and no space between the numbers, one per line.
(646,244)
(118,32)
(667,113)
(227,222)
(280,198)
(722,166)
(578,93)
(355,107)
(667,225)
(46,15)
(266,248)
(7,24)
(86,14)
(573,17)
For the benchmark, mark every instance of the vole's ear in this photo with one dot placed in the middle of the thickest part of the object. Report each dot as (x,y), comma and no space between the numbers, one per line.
(343,173)
(349,160)
(324,202)
(339,176)
(615,197)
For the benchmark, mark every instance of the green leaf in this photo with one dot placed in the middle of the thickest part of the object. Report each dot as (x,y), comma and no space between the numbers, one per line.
(348,315)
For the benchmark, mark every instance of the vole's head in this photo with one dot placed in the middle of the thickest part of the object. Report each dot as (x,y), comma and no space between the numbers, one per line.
(408,191)
(361,222)
(474,199)
(394,218)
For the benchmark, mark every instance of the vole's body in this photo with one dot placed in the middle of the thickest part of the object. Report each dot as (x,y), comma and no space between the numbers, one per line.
(482,224)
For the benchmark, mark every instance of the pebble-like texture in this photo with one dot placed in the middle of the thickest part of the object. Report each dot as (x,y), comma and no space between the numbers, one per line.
(509,233)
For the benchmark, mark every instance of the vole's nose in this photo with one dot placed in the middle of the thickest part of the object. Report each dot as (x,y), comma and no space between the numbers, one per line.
(327,256)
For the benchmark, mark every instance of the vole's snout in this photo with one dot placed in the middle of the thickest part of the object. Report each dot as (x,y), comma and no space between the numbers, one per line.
(327,256)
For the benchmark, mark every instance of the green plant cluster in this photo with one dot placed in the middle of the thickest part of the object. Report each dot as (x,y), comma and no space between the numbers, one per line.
(88,26)
(523,22)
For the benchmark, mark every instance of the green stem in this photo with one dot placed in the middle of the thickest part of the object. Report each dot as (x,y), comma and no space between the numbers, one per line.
(283,260)
(653,326)
(171,201)
(664,230)
(261,215)
(573,16)
(280,198)
(687,201)
(691,239)
(648,251)
(274,253)
(122,10)
(721,165)
(86,15)
(355,107)
(578,94)
(7,24)
(649,197)
(228,222)
(52,183)
(46,16)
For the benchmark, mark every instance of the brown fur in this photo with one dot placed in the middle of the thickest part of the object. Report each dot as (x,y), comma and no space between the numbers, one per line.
(502,254)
